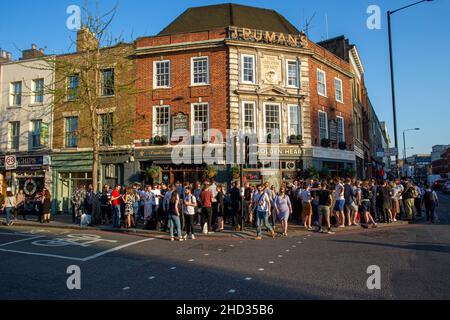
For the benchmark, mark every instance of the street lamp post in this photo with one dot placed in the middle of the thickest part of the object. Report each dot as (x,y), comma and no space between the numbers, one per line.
(404,143)
(389,14)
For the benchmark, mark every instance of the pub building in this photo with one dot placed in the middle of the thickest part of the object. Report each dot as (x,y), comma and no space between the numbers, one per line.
(246,69)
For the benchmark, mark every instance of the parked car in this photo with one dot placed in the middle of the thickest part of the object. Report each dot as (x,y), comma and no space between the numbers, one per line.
(446,188)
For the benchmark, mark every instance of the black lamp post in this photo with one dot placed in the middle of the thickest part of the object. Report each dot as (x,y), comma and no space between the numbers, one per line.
(389,14)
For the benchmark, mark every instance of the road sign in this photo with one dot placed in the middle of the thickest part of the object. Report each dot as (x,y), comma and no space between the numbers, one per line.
(391,152)
(10,163)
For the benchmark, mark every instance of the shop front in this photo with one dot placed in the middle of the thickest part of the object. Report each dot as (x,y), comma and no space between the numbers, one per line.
(334,162)
(276,164)
(31,175)
(70,170)
(191,170)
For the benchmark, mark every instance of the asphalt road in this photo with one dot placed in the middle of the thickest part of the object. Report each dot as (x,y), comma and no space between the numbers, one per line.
(414,261)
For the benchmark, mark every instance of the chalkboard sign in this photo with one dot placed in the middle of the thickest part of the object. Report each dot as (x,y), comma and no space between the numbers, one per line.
(332,129)
(180,121)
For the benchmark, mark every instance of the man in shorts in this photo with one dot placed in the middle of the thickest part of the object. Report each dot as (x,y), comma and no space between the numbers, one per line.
(325,200)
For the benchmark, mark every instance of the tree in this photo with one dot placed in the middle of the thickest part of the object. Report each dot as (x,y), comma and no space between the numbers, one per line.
(96,84)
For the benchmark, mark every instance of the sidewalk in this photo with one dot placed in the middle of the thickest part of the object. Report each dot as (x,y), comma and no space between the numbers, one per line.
(62,221)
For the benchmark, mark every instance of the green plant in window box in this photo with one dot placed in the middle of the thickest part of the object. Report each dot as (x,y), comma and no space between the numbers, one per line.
(157,140)
(210,172)
(154,172)
(164,140)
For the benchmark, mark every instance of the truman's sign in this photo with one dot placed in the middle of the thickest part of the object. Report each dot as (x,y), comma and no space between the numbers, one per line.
(270,37)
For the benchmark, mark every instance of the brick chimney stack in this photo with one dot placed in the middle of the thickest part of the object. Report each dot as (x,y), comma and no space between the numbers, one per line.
(86,40)
(4,56)
(32,53)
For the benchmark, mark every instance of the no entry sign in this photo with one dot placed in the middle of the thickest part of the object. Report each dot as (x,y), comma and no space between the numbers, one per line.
(10,162)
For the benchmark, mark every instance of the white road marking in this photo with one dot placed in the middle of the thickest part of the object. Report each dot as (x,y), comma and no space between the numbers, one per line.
(248,279)
(192,260)
(151,278)
(22,240)
(116,249)
(219,249)
(126,288)
(299,242)
(173,268)
(261,269)
(271,262)
(288,250)
(77,259)
(280,256)
(232,291)
(206,254)
(294,246)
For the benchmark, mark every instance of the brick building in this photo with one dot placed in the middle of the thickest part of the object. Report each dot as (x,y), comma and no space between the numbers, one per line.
(111,104)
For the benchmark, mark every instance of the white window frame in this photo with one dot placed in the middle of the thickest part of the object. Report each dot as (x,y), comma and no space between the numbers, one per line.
(154,131)
(324,80)
(343,128)
(297,64)
(35,93)
(243,56)
(253,103)
(193,105)
(326,125)
(336,90)
(10,136)
(300,118)
(193,84)
(12,94)
(279,120)
(155,79)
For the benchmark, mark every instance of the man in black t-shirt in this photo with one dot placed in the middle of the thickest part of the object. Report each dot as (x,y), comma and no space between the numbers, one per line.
(384,201)
(325,201)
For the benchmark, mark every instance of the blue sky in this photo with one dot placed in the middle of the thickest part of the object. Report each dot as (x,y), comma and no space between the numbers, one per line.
(421,46)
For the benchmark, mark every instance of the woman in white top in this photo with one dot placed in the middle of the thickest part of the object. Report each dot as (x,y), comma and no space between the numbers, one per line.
(8,206)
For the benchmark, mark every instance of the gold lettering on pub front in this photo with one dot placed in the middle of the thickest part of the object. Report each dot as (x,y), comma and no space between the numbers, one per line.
(269,37)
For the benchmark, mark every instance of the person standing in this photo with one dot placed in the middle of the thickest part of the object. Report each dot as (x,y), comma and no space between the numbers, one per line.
(283,209)
(350,205)
(384,201)
(105,205)
(340,203)
(408,197)
(235,197)
(8,207)
(418,199)
(197,193)
(305,197)
(248,216)
(325,200)
(366,200)
(395,205)
(190,203)
(220,208)
(263,209)
(20,204)
(129,200)
(156,197)
(174,216)
(116,202)
(206,200)
(148,203)
(431,202)
(46,207)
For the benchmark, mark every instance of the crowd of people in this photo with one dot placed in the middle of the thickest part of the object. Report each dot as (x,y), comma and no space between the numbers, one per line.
(19,204)
(317,205)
